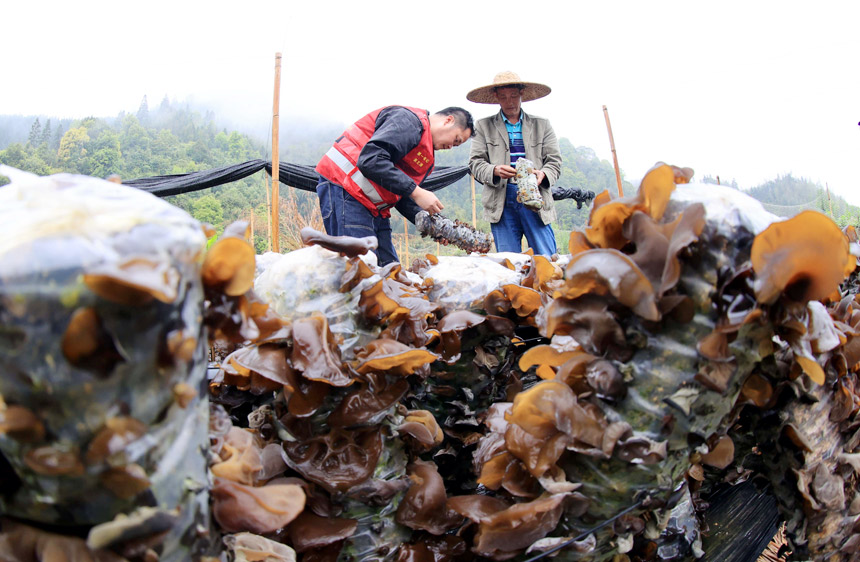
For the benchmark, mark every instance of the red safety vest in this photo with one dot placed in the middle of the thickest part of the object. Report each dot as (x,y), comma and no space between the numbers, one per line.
(340,163)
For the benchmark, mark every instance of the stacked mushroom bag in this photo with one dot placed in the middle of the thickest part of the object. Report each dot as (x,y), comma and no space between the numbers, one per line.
(102,354)
(686,323)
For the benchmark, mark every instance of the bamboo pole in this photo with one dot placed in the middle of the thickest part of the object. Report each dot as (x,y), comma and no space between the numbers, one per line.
(406,241)
(614,155)
(276,165)
(268,214)
(474,215)
(829,200)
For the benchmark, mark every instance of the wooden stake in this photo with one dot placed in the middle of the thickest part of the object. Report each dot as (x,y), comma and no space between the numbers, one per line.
(474,216)
(614,156)
(829,201)
(406,241)
(268,214)
(276,165)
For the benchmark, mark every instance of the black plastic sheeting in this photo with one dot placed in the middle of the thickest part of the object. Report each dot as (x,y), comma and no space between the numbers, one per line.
(305,178)
(294,175)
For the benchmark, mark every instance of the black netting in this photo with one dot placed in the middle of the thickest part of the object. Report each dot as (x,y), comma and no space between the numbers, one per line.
(294,175)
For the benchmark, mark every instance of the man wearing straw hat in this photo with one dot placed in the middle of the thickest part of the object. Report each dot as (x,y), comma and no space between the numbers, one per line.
(378,163)
(498,142)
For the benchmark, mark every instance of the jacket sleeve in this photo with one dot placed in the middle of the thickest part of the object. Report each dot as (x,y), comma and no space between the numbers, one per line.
(551,165)
(408,208)
(397,132)
(479,158)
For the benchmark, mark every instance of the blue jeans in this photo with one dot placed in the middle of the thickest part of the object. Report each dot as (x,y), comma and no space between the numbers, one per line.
(343,215)
(517,220)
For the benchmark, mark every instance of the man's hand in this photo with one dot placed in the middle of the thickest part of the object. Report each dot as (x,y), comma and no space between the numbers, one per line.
(540,176)
(426,200)
(504,172)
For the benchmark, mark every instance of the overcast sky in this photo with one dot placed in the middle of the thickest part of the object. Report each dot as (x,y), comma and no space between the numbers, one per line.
(746,90)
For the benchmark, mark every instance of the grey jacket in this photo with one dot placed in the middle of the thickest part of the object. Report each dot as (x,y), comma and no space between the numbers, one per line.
(491,147)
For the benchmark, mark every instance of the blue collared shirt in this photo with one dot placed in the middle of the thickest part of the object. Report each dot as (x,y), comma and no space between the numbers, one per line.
(515,138)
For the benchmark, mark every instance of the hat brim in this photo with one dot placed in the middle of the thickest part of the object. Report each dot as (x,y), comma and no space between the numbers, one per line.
(485,94)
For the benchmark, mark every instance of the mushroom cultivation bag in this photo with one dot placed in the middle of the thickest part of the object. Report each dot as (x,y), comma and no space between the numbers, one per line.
(102,353)
(461,282)
(309,280)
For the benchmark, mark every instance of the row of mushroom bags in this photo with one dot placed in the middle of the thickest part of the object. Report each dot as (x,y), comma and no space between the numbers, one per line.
(485,407)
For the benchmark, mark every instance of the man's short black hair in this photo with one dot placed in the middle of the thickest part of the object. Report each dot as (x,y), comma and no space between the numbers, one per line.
(462,117)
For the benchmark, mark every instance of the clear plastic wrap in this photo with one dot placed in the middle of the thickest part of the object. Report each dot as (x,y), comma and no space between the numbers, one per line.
(102,350)
(527,187)
(461,282)
(728,208)
(308,280)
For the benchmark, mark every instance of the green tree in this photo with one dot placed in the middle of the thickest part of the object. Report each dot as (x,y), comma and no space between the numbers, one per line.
(14,156)
(72,154)
(208,209)
(45,137)
(143,111)
(35,133)
(106,158)
(55,139)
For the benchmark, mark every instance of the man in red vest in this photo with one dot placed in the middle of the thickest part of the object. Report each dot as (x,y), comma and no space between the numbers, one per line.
(378,163)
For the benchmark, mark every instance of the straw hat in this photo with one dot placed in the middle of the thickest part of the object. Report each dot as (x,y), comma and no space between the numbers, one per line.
(485,94)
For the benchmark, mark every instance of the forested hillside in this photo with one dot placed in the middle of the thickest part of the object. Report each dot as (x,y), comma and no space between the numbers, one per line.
(173,139)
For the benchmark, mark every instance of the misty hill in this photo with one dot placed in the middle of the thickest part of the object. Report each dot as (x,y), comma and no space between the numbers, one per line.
(176,139)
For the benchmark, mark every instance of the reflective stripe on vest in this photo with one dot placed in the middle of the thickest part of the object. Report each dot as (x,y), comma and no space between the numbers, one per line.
(356,175)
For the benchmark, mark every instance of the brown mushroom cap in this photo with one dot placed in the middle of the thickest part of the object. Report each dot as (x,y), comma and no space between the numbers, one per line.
(518,526)
(546,357)
(804,257)
(588,320)
(602,272)
(134,282)
(658,245)
(117,434)
(248,547)
(237,507)
(54,460)
(542,274)
(722,453)
(424,506)
(230,263)
(337,460)
(125,481)
(241,457)
(606,222)
(657,187)
(453,324)
(545,420)
(423,427)
(376,305)
(391,356)
(367,403)
(20,423)
(605,225)
(525,301)
(309,531)
(25,543)
(267,360)
(87,345)
(315,352)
